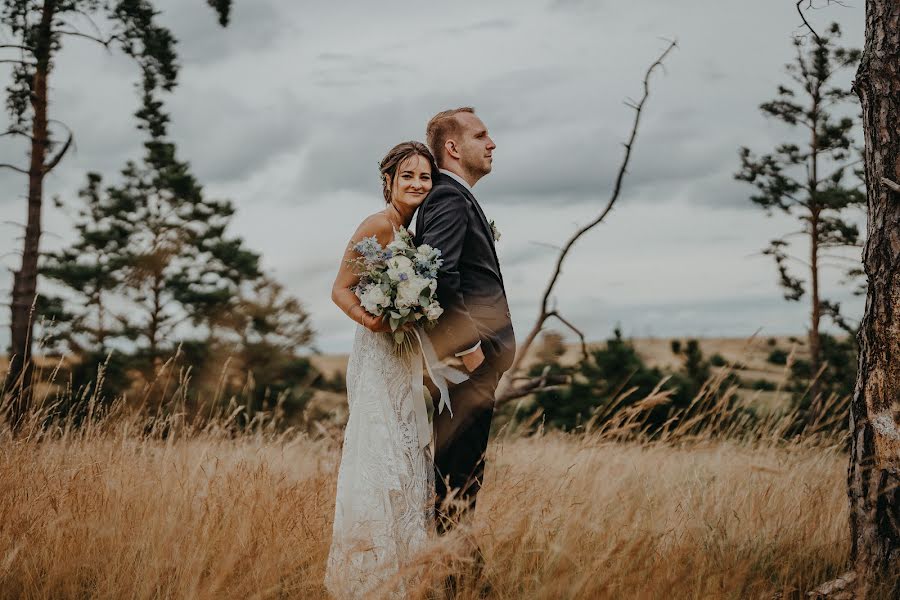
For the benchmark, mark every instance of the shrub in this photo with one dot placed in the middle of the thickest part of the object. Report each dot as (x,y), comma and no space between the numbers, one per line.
(778,357)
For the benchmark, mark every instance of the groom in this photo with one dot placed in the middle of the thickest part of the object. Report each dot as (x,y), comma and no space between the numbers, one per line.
(475,326)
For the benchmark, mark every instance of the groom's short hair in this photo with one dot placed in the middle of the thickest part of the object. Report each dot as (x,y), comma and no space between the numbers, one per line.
(441,128)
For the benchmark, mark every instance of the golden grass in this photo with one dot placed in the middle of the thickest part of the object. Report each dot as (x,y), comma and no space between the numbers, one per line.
(131,507)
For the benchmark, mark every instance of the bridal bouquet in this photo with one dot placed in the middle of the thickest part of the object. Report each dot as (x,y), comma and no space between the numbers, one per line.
(399,282)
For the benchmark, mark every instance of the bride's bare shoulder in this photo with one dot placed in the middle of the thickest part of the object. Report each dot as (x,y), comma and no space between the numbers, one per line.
(376,224)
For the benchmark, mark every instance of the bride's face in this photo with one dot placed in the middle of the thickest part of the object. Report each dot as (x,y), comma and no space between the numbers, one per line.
(412,183)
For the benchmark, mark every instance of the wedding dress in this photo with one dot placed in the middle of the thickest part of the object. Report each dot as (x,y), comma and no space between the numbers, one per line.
(384,508)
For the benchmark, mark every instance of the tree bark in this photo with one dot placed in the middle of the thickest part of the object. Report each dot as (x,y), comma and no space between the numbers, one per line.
(25,279)
(815,350)
(874,471)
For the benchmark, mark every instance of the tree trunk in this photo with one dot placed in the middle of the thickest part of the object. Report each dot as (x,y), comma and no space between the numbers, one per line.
(815,349)
(815,344)
(25,279)
(874,471)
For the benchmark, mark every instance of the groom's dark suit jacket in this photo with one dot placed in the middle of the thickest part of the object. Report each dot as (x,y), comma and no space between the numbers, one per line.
(470,285)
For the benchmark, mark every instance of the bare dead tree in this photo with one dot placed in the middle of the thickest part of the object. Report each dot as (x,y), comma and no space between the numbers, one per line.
(512,387)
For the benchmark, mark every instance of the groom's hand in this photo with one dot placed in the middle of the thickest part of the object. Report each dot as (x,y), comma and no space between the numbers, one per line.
(473,360)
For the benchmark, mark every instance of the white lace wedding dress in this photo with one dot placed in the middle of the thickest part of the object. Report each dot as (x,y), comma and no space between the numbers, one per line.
(384,509)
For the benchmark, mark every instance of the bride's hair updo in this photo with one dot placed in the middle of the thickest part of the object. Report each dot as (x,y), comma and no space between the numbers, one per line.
(397,155)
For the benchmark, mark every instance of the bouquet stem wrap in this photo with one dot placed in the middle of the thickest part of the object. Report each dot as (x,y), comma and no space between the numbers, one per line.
(440,374)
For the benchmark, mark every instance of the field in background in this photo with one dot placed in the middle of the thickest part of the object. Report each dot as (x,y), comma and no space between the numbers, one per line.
(748,357)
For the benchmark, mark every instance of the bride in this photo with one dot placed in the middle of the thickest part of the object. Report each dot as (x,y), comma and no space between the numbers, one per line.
(384,508)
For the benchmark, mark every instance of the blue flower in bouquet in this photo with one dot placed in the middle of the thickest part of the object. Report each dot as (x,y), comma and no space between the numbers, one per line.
(369,248)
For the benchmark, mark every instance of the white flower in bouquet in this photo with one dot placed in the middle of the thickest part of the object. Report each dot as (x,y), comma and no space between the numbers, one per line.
(409,290)
(400,268)
(433,311)
(398,246)
(374,300)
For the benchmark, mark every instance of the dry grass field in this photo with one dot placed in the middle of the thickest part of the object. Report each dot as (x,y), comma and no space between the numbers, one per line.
(135,507)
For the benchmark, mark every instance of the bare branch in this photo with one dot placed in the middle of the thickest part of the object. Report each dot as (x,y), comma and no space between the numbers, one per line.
(14,132)
(59,155)
(805,22)
(14,168)
(90,20)
(106,43)
(534,385)
(810,6)
(584,348)
(618,185)
(617,188)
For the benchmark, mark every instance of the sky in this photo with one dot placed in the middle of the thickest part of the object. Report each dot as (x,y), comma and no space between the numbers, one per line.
(288,111)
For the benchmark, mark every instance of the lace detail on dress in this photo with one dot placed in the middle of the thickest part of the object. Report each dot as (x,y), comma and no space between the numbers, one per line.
(384,508)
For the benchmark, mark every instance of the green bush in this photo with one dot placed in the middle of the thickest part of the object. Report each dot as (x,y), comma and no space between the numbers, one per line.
(778,357)
(717,360)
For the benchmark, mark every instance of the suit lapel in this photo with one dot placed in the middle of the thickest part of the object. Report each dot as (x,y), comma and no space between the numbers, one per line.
(484,221)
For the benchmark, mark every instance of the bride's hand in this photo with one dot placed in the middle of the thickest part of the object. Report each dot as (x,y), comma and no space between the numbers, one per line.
(375,324)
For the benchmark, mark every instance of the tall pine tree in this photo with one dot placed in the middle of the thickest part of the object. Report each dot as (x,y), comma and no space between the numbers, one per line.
(810,181)
(36,31)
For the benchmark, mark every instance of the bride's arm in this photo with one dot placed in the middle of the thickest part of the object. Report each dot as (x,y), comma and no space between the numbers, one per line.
(342,293)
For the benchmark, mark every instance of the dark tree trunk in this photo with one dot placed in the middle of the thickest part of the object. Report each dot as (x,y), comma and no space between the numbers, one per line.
(815,351)
(874,472)
(25,279)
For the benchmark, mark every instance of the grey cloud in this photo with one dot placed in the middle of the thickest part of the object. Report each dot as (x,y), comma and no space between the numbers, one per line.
(343,71)
(346,152)
(486,25)
(254,26)
(576,5)
(227,139)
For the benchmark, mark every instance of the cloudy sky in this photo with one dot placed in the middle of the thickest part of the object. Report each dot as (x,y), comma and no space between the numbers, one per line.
(288,111)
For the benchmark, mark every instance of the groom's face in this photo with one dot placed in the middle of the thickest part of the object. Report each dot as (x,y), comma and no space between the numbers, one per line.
(476,147)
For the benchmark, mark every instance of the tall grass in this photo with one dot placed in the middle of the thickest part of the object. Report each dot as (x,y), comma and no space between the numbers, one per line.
(183,502)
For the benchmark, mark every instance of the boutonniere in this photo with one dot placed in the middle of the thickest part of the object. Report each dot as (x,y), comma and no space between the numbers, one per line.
(494,231)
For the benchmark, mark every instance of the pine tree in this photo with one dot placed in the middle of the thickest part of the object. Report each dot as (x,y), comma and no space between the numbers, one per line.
(809,181)
(36,30)
(91,271)
(271,328)
(180,268)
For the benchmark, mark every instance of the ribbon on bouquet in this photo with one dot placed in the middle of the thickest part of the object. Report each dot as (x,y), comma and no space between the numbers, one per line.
(440,375)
